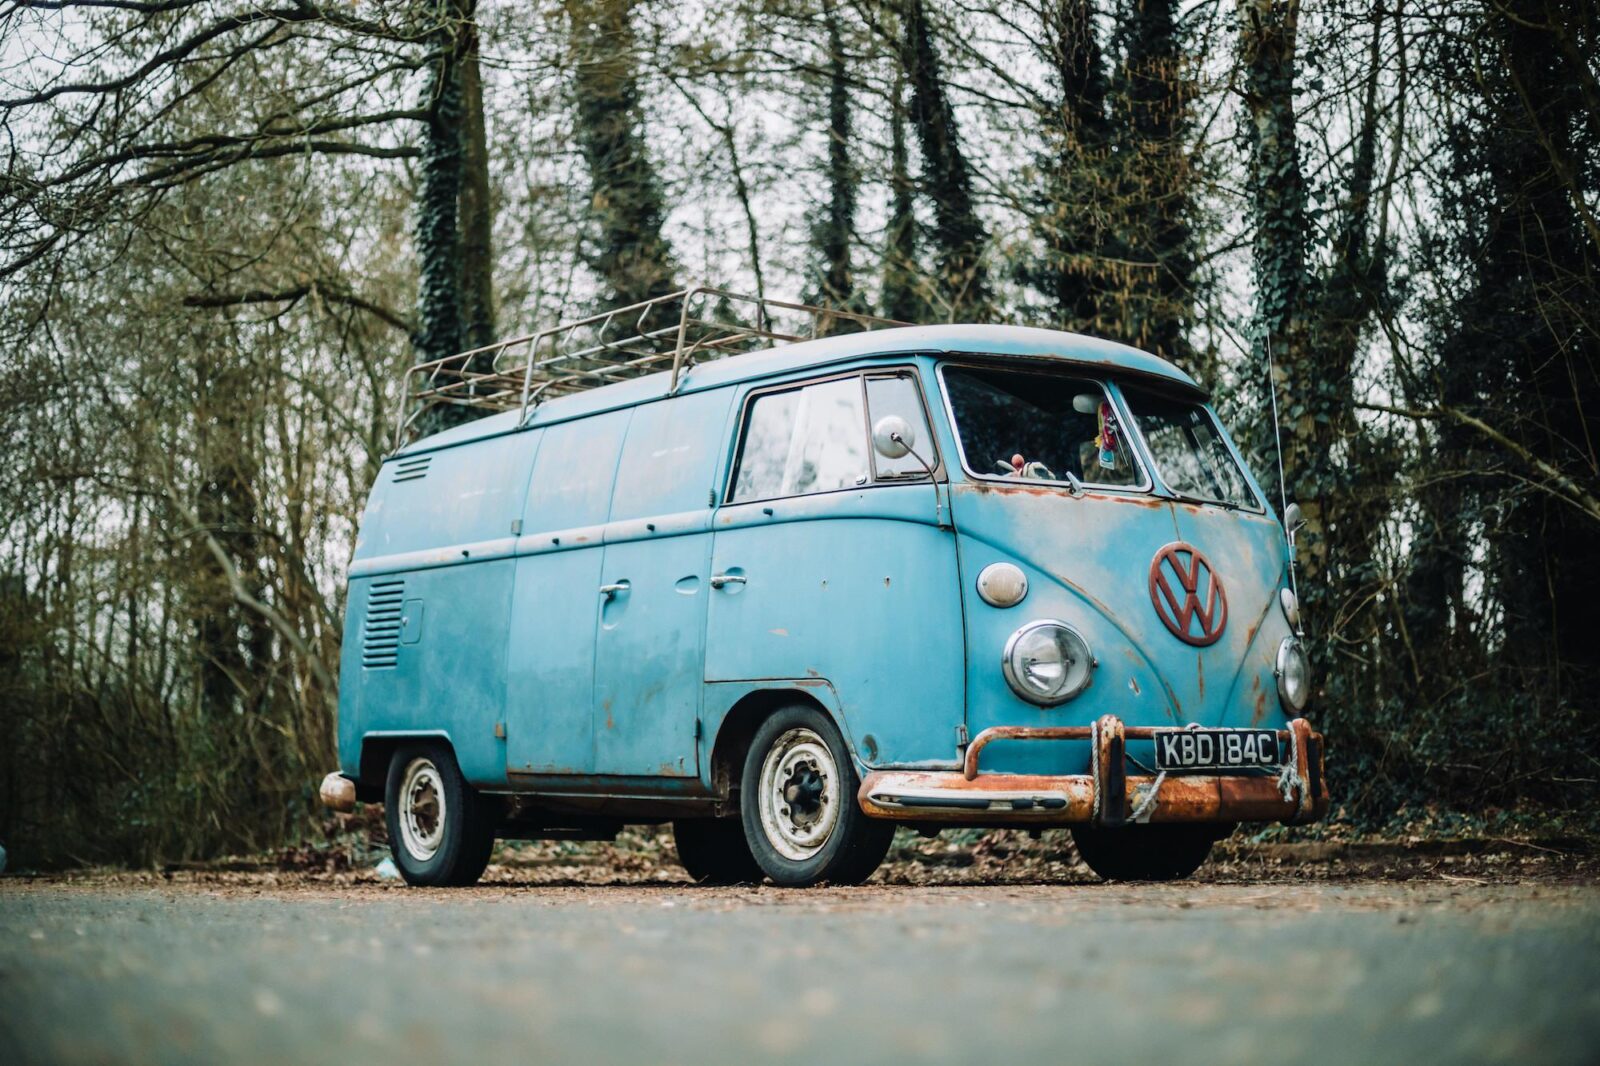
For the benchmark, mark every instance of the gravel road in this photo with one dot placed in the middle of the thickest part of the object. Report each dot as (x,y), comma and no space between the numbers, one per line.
(1364,971)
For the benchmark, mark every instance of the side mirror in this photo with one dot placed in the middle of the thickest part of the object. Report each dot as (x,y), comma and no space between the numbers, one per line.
(1292,522)
(893,437)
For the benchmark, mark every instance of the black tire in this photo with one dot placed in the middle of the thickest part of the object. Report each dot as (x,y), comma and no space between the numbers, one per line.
(1160,852)
(849,845)
(713,851)
(461,839)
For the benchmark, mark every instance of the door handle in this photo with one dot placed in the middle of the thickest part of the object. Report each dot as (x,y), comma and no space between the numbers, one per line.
(719,580)
(611,590)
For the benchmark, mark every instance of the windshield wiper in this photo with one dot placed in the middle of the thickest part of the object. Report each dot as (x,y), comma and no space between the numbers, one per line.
(1225,504)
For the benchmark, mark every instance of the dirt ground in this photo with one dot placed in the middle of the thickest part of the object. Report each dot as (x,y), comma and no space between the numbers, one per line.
(642,856)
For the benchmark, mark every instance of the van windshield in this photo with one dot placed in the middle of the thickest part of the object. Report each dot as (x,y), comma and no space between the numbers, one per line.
(1043,427)
(1188,449)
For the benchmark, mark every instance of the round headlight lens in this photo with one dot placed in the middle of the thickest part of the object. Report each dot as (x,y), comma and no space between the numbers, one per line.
(1291,607)
(1002,585)
(1047,662)
(1294,675)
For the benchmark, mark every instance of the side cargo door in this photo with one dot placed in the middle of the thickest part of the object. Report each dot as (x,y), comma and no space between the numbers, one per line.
(650,644)
(556,599)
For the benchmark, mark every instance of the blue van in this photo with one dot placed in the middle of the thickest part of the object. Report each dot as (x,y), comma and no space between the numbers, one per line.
(790,593)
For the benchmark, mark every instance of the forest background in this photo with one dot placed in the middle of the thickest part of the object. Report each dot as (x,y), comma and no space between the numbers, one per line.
(227,227)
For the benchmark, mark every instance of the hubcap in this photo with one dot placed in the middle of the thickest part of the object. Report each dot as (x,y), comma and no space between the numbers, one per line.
(422,810)
(799,794)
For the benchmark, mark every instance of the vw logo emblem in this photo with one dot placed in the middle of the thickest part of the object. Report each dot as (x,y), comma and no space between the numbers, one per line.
(1188,594)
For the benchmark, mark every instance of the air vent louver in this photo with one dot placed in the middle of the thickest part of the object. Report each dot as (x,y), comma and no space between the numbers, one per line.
(380,634)
(413,469)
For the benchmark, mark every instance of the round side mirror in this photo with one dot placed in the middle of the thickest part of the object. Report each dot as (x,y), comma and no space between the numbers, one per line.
(1292,520)
(892,437)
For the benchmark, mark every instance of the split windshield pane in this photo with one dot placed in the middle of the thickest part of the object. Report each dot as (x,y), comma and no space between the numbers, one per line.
(1188,449)
(1032,426)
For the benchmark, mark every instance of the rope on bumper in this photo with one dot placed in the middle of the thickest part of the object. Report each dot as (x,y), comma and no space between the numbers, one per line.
(1290,784)
(1094,768)
(1147,800)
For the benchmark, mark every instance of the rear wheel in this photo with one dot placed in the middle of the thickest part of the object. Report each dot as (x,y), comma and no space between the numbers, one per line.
(714,851)
(441,829)
(1161,852)
(798,804)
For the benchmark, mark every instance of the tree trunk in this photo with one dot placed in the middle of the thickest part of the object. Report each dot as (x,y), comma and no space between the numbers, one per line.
(1152,101)
(441,325)
(477,212)
(630,254)
(959,235)
(832,235)
(901,299)
(1277,194)
(1076,194)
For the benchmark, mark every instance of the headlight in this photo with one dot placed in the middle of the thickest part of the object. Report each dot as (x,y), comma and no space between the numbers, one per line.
(1294,675)
(1291,607)
(1047,662)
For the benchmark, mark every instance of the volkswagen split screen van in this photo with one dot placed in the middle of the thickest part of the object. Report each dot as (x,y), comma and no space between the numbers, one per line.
(790,593)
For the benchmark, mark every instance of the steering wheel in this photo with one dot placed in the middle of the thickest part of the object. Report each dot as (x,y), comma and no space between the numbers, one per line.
(1040,471)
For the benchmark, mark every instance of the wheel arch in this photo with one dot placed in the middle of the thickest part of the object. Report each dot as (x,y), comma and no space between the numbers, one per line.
(378,748)
(743,708)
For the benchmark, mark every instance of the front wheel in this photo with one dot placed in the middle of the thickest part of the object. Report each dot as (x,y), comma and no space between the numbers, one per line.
(798,804)
(441,829)
(1162,852)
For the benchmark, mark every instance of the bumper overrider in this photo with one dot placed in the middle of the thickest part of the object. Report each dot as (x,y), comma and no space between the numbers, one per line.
(1108,795)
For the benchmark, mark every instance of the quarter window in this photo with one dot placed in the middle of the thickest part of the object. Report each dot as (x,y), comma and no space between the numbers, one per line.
(898,395)
(805,440)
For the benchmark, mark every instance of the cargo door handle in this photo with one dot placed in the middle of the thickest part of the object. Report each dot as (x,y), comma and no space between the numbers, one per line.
(719,580)
(611,590)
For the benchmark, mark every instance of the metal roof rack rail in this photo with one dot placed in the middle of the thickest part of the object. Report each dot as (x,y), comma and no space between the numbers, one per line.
(673,331)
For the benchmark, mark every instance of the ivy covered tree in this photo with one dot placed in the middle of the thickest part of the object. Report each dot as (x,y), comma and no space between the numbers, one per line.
(455,289)
(1506,397)
(1308,322)
(626,206)
(959,236)
(1074,204)
(1151,97)
(902,295)
(834,231)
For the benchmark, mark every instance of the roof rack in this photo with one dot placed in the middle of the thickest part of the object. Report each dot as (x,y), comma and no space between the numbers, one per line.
(673,331)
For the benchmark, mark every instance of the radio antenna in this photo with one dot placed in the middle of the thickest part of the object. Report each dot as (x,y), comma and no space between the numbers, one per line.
(1283,485)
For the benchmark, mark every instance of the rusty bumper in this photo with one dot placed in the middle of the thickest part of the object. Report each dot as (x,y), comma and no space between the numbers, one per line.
(338,792)
(1107,796)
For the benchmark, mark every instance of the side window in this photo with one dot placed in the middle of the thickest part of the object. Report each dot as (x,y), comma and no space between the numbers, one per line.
(899,395)
(810,439)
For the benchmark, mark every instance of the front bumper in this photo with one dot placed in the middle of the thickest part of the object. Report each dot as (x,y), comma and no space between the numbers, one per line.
(1108,796)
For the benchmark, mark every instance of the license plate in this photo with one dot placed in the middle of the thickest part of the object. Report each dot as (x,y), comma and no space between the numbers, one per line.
(1206,750)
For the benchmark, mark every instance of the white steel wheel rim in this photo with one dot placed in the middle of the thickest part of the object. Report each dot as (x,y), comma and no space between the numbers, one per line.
(422,809)
(798,794)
